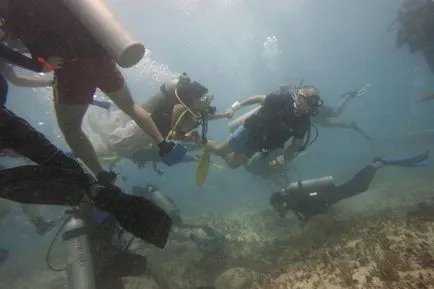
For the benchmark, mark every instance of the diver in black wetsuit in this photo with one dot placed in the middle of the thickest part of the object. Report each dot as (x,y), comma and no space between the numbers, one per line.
(308,202)
(59,179)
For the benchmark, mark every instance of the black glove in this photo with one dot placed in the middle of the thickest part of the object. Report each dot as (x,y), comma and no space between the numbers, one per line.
(165,147)
(106,178)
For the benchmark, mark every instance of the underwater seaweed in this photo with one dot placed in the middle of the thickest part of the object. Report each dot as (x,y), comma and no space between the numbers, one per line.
(346,273)
(384,269)
(384,242)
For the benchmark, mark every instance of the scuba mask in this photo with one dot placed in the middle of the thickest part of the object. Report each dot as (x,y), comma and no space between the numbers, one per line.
(313,102)
(206,99)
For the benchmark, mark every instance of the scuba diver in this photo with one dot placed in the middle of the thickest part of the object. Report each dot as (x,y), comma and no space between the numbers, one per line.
(110,255)
(18,135)
(85,65)
(311,197)
(58,179)
(211,241)
(415,26)
(177,109)
(283,114)
(326,113)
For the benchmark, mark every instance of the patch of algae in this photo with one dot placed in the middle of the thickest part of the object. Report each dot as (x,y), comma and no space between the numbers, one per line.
(381,248)
(388,248)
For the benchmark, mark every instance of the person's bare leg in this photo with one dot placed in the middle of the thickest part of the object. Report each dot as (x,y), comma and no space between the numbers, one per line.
(69,118)
(223,150)
(357,129)
(348,125)
(341,105)
(123,99)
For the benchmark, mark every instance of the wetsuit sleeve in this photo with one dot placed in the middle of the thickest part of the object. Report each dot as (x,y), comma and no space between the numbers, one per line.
(17,58)
(358,184)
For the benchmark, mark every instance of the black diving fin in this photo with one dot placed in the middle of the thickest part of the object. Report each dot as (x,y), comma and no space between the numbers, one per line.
(417,160)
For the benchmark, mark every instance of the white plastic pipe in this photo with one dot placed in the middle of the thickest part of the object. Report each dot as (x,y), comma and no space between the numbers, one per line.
(106,28)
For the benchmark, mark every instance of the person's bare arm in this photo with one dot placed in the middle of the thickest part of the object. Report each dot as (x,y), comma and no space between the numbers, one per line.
(24,81)
(219,115)
(256,99)
(253,100)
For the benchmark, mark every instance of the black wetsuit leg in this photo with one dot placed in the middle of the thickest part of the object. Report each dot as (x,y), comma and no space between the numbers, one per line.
(358,184)
(18,135)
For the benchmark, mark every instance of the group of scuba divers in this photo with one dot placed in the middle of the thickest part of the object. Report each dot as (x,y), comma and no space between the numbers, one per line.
(83,51)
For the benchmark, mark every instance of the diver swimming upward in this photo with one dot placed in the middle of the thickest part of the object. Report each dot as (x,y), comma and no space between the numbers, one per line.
(326,113)
(311,197)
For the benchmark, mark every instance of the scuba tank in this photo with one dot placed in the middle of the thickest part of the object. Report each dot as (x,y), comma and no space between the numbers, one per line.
(80,270)
(309,186)
(161,200)
(154,195)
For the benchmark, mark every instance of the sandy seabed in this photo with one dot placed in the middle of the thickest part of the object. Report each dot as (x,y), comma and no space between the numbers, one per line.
(389,245)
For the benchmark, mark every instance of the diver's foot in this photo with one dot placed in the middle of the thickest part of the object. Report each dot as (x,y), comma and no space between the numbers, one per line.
(4,255)
(43,227)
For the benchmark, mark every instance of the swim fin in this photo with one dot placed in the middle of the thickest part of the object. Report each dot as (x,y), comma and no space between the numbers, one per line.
(112,159)
(137,215)
(175,156)
(418,160)
(202,168)
(211,162)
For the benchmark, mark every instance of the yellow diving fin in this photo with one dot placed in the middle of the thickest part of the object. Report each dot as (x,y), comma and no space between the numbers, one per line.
(112,159)
(211,162)
(202,168)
